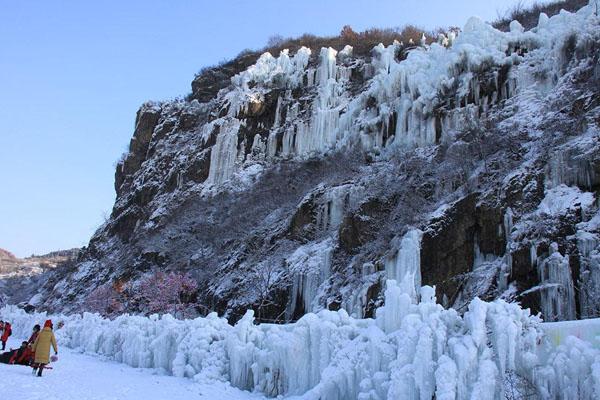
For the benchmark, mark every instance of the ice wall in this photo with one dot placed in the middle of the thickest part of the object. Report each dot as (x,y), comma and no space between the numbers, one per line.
(411,102)
(410,351)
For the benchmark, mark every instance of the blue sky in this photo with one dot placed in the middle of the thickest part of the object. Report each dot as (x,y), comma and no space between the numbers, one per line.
(73,73)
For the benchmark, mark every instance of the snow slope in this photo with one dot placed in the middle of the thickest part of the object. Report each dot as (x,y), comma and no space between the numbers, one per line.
(78,376)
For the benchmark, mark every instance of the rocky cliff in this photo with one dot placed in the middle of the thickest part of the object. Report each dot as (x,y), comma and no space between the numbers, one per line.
(308,178)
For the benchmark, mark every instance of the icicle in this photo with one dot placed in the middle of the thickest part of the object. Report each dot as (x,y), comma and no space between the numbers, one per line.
(589,274)
(327,67)
(405,267)
(557,292)
(506,269)
(272,144)
(310,267)
(224,153)
(277,121)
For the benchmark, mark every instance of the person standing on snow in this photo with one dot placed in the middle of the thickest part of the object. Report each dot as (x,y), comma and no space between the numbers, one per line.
(5,335)
(34,334)
(41,348)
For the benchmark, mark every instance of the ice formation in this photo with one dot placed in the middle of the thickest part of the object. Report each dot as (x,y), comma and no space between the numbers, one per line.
(310,268)
(405,266)
(557,291)
(224,154)
(411,102)
(334,203)
(409,351)
(588,245)
(414,348)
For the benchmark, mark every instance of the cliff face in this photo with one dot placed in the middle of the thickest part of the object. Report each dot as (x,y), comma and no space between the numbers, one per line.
(310,178)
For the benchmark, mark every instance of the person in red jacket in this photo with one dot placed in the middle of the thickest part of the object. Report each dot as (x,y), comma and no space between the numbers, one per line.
(11,356)
(34,334)
(5,335)
(23,356)
(20,356)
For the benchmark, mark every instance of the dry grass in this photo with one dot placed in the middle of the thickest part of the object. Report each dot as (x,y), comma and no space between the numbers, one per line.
(362,42)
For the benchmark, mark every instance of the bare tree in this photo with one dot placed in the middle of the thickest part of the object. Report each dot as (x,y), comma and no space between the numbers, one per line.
(267,278)
(275,40)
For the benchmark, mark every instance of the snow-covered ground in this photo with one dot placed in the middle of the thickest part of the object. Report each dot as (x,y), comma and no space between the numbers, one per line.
(79,376)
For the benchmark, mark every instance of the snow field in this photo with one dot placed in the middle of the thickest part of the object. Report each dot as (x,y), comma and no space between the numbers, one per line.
(78,376)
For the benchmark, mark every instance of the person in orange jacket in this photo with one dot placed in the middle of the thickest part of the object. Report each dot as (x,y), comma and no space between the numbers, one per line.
(6,334)
(41,348)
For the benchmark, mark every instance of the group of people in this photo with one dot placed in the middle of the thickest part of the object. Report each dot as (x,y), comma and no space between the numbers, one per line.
(34,352)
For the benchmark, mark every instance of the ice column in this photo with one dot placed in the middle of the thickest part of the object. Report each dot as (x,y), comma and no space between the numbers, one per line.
(557,294)
(327,68)
(589,275)
(224,153)
(310,266)
(321,133)
(506,268)
(405,268)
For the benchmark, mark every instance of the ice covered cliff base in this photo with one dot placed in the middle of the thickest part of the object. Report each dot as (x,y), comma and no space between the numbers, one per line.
(409,351)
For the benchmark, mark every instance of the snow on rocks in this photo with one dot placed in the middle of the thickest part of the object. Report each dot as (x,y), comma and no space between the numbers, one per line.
(410,351)
(563,198)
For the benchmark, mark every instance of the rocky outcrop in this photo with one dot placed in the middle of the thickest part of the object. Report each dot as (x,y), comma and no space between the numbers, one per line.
(451,241)
(145,122)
